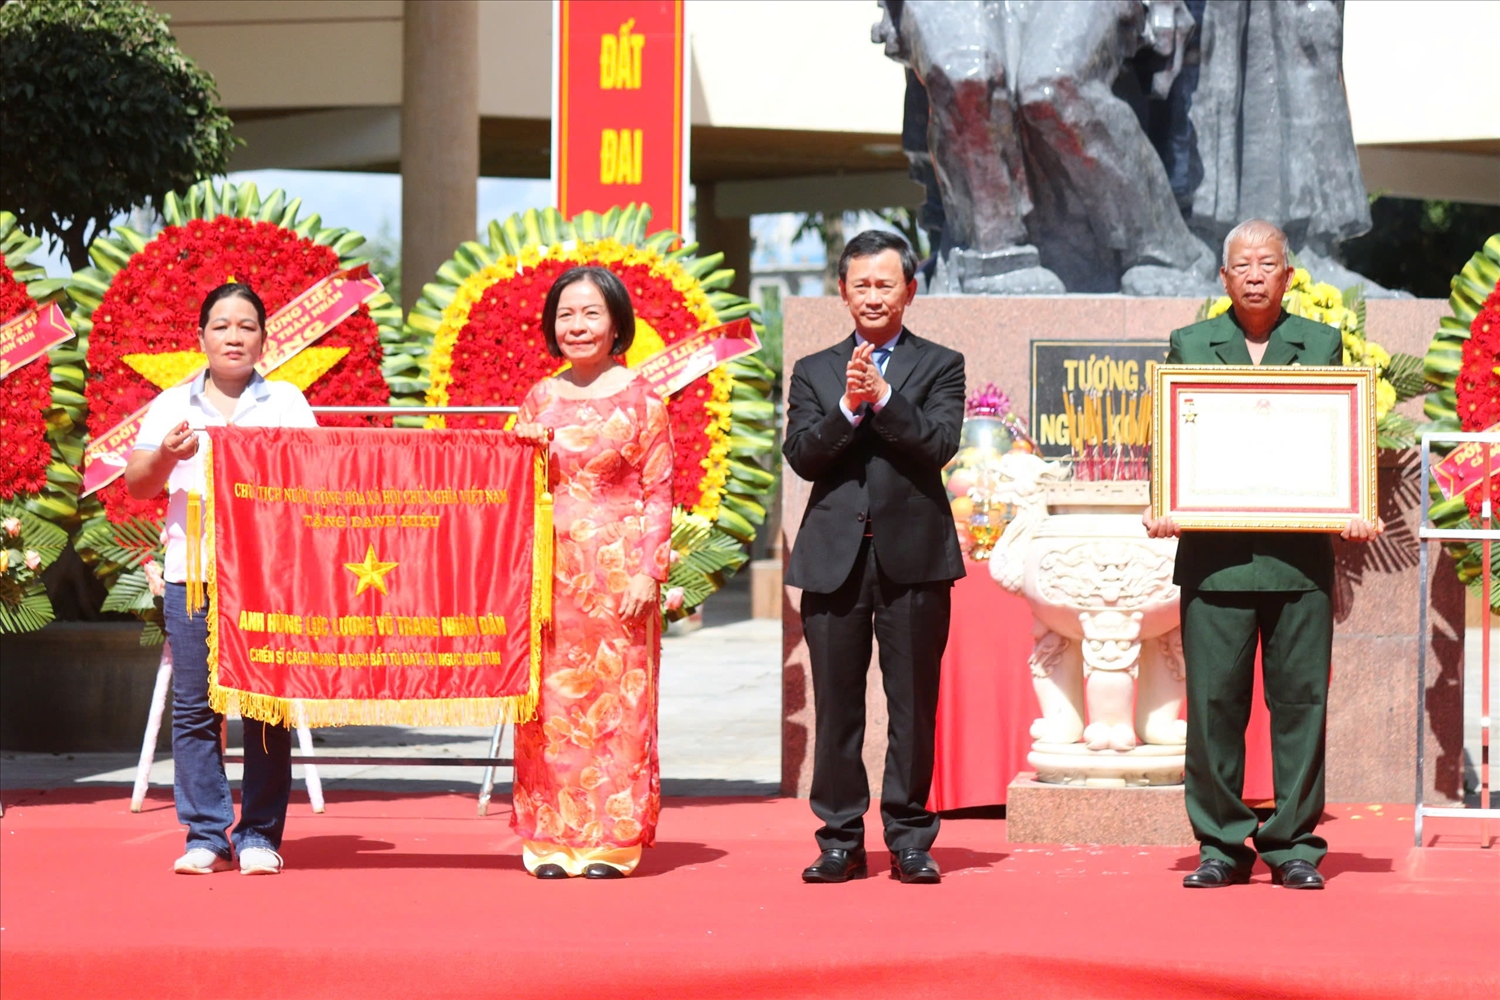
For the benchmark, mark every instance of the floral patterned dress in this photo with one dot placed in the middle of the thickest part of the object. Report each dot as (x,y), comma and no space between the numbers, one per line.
(587,777)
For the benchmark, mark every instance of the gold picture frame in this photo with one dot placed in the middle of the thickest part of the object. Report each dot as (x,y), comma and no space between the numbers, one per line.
(1245,448)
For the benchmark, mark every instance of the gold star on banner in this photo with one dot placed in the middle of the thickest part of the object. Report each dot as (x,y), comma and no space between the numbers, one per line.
(370,573)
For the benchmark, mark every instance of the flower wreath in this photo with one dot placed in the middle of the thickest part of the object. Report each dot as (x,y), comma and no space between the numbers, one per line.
(1463,360)
(40,443)
(483,313)
(137,320)
(1398,376)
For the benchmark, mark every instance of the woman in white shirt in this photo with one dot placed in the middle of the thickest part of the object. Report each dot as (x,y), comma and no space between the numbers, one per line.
(168,453)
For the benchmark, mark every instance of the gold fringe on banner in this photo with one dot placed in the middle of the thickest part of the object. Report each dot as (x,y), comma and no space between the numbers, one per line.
(217,696)
(315,713)
(319,714)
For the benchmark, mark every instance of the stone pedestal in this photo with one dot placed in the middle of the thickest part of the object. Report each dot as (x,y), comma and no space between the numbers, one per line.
(1037,813)
(1076,764)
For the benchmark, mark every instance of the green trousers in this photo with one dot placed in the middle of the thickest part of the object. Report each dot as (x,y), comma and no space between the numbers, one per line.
(1220,632)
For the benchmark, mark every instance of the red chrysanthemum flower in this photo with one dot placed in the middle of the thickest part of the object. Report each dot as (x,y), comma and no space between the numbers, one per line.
(501,353)
(25,397)
(1478,385)
(152,304)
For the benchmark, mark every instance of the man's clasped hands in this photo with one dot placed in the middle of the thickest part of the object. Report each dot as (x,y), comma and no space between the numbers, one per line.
(863,382)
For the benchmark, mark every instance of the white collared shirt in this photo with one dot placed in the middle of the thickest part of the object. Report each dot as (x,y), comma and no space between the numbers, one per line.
(890,345)
(262,404)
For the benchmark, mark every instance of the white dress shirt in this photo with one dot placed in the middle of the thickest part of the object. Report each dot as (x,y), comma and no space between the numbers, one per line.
(262,404)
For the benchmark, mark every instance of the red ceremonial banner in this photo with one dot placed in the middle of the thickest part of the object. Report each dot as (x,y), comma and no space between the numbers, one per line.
(30,335)
(370,576)
(692,357)
(1464,467)
(619,115)
(295,326)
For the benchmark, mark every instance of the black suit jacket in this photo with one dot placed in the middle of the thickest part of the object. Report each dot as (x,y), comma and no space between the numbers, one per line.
(887,470)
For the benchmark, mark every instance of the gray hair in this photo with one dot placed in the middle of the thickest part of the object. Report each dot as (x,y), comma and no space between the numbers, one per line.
(1258,231)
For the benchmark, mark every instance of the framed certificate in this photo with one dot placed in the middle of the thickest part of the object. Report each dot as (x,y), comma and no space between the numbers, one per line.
(1272,449)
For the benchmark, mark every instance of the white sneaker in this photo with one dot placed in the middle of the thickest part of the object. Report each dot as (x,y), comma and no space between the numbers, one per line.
(201,861)
(259,861)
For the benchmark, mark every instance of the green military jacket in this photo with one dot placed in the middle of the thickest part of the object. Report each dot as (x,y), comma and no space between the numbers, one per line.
(1255,560)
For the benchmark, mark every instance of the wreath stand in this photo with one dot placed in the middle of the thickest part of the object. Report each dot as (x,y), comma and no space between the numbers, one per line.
(305,756)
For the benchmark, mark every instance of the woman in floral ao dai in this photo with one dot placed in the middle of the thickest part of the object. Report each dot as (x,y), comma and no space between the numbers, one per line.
(587,784)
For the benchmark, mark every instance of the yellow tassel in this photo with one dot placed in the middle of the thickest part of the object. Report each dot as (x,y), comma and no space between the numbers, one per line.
(541,587)
(542,540)
(195,595)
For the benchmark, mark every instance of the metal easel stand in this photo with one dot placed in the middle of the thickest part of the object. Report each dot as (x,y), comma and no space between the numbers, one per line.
(159,695)
(1486,535)
(153,726)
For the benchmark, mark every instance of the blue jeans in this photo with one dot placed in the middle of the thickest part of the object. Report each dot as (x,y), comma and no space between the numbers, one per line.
(204,805)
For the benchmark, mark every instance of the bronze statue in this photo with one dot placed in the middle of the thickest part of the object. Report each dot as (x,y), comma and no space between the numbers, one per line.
(1108,145)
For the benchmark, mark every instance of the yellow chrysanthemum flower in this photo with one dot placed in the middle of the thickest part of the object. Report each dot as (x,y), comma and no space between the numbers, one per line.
(1385,398)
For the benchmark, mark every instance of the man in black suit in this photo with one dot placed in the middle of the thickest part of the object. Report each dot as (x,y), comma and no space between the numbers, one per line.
(870,422)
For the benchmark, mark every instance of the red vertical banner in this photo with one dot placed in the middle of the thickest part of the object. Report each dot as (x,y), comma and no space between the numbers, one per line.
(620,107)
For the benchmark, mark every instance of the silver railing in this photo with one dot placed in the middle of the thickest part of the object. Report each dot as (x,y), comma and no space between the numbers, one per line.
(1486,536)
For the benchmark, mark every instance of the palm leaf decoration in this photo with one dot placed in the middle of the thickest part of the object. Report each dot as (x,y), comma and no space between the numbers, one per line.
(1445,355)
(58,500)
(707,549)
(1470,288)
(46,516)
(116,551)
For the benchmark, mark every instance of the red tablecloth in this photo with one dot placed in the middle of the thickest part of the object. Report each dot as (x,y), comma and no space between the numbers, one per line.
(985,701)
(986,704)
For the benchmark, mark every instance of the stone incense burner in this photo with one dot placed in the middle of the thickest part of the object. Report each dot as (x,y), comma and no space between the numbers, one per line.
(1107,648)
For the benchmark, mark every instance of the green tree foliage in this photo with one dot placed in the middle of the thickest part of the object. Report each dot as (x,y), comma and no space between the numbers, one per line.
(100,111)
(1418,246)
(830,228)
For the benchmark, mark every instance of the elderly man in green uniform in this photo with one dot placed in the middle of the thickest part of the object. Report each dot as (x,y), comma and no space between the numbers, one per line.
(1241,589)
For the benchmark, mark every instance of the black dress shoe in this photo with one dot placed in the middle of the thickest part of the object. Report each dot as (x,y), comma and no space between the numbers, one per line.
(915,867)
(837,865)
(600,870)
(1215,874)
(550,871)
(1297,874)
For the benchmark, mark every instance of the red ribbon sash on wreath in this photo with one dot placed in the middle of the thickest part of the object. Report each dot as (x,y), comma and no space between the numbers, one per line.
(295,326)
(376,576)
(1463,469)
(30,335)
(691,358)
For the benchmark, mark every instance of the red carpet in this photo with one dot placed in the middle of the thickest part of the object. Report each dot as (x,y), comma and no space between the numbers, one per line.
(413,896)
